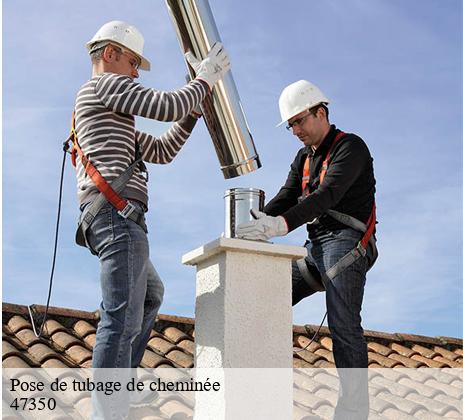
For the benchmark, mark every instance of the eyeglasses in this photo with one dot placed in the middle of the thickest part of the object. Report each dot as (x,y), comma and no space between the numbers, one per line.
(132,60)
(297,122)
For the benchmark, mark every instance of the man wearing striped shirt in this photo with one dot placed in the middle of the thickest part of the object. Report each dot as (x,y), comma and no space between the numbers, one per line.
(105,111)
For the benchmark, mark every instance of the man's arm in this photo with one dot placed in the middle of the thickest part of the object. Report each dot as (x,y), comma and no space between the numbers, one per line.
(121,94)
(349,159)
(289,193)
(162,150)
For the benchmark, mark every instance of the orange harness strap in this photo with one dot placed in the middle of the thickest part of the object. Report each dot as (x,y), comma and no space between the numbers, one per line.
(115,199)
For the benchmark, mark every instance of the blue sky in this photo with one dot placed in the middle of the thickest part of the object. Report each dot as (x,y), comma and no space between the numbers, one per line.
(393,72)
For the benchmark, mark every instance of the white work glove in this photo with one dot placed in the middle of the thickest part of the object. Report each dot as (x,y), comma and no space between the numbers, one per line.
(262,229)
(213,67)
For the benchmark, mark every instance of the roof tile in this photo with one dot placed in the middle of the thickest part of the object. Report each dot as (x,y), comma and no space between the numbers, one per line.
(83,328)
(394,414)
(450,401)
(302,341)
(28,337)
(42,352)
(175,335)
(428,362)
(402,350)
(15,362)
(90,340)
(379,348)
(153,360)
(383,361)
(300,364)
(328,355)
(79,354)
(327,343)
(176,408)
(406,361)
(308,356)
(448,362)
(423,389)
(447,389)
(308,399)
(405,405)
(182,359)
(187,345)
(160,345)
(391,386)
(17,323)
(52,326)
(65,340)
(436,407)
(424,351)
(445,353)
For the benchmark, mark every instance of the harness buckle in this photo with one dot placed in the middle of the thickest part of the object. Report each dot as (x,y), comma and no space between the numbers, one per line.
(361,249)
(127,210)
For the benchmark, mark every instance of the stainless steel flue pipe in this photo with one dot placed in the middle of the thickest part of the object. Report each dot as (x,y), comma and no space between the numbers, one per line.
(222,110)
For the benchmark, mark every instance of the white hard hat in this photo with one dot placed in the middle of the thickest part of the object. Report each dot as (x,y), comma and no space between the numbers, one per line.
(123,34)
(298,97)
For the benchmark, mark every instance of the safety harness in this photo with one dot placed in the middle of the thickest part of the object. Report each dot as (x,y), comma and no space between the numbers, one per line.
(109,192)
(314,279)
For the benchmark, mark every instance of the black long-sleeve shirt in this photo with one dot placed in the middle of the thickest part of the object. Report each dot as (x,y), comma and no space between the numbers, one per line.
(348,186)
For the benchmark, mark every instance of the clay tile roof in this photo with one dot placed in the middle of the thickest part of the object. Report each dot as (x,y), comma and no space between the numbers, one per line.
(399,393)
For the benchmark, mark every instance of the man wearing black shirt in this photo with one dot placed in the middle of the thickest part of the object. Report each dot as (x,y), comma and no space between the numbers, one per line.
(346,185)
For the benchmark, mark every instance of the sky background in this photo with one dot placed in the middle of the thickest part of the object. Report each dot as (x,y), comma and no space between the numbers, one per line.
(393,72)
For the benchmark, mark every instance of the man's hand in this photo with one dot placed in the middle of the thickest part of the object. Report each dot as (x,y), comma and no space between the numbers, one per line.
(213,67)
(263,228)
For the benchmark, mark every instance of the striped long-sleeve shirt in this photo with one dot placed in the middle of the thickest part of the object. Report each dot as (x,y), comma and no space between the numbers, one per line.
(105,111)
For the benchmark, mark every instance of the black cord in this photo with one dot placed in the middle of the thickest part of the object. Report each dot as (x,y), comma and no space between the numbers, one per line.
(31,308)
(314,336)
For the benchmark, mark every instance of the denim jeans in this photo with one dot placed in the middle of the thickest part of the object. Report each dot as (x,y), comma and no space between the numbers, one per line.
(131,289)
(344,295)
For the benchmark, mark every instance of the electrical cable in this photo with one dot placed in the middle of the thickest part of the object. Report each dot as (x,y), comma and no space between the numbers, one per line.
(314,336)
(31,308)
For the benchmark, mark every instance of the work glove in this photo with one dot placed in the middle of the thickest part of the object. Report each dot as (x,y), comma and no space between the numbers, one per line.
(213,67)
(263,228)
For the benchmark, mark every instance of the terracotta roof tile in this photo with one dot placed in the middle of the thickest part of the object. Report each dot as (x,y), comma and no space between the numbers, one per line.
(28,337)
(79,354)
(175,335)
(326,354)
(83,328)
(325,364)
(327,343)
(308,399)
(65,340)
(424,351)
(161,345)
(302,341)
(448,362)
(41,352)
(153,360)
(300,364)
(379,348)
(436,407)
(402,350)
(406,361)
(17,323)
(15,362)
(187,345)
(383,361)
(51,327)
(182,359)
(90,340)
(72,335)
(405,405)
(447,389)
(395,414)
(429,362)
(308,356)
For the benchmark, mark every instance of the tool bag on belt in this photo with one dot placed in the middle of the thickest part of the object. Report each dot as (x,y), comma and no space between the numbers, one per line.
(108,192)
(365,248)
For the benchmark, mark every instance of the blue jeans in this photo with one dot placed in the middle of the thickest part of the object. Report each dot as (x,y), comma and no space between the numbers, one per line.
(344,294)
(131,289)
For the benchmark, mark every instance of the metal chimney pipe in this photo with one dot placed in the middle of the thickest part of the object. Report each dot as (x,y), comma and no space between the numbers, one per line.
(222,110)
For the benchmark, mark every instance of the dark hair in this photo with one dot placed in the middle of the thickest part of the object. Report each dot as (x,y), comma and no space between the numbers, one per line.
(315,109)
